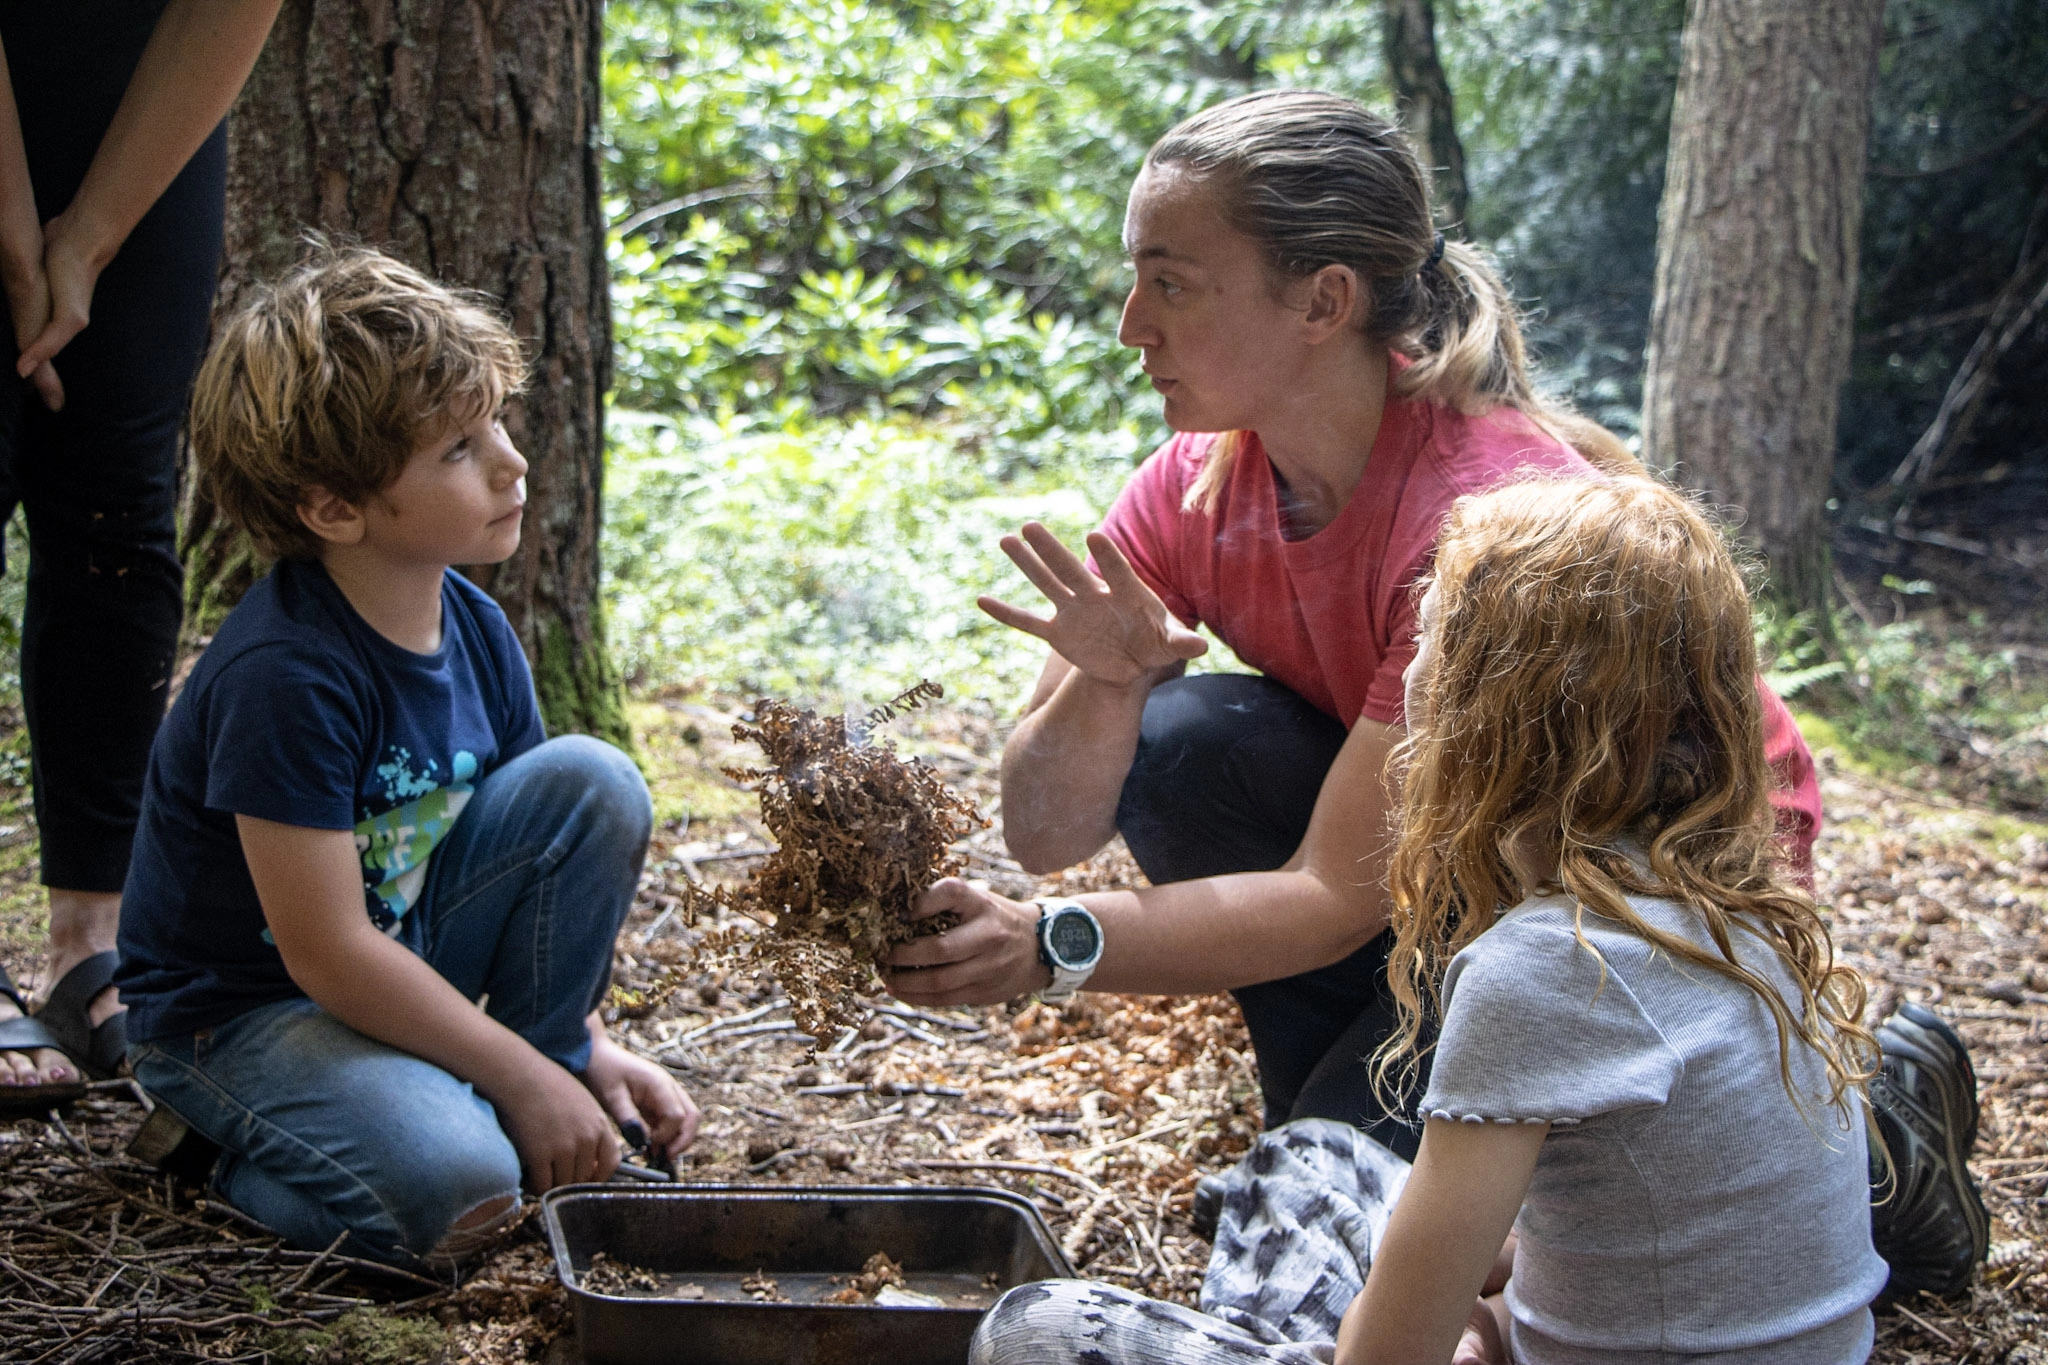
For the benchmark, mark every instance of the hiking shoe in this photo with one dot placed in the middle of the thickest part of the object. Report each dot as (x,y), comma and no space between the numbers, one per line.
(1927,1221)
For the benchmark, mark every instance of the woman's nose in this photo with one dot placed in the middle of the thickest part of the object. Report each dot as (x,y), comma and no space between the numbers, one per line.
(1133,328)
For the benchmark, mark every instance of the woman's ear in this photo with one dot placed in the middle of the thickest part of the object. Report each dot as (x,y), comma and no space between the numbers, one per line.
(1336,300)
(331,517)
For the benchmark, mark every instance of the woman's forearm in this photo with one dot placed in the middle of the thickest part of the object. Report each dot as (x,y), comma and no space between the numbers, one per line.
(1220,933)
(21,229)
(1064,768)
(197,59)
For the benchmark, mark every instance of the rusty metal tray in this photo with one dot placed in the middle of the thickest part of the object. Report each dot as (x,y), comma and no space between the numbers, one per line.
(964,1245)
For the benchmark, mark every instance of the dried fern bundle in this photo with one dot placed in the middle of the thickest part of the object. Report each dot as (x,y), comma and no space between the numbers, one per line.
(861,832)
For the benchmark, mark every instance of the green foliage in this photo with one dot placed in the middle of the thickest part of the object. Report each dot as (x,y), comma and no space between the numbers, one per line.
(833,562)
(1910,693)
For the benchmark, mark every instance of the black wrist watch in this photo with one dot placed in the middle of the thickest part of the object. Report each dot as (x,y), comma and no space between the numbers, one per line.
(1069,942)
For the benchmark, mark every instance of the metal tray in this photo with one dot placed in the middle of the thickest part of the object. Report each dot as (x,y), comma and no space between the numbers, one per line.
(965,1244)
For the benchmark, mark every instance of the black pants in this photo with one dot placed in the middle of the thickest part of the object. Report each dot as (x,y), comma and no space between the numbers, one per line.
(98,481)
(1226,775)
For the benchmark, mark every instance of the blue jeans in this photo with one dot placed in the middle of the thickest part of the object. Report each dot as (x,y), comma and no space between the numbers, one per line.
(324,1130)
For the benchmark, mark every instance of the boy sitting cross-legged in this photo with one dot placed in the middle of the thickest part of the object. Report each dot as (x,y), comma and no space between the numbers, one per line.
(354,830)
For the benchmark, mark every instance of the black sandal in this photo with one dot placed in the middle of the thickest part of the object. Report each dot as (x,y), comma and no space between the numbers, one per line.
(100,1050)
(26,1034)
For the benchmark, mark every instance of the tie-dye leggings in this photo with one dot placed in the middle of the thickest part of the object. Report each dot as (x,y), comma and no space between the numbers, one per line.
(1302,1214)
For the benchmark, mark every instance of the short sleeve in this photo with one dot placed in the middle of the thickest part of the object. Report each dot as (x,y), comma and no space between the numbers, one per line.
(1534,1033)
(1146,521)
(1386,697)
(284,734)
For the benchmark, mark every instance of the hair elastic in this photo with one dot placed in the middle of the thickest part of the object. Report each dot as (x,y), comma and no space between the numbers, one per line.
(1436,253)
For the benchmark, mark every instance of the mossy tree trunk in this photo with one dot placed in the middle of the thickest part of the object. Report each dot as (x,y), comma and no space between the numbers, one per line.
(1422,96)
(461,136)
(1750,323)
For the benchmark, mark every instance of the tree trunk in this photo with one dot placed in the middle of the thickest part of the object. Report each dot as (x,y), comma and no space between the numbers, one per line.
(1422,96)
(461,136)
(1750,324)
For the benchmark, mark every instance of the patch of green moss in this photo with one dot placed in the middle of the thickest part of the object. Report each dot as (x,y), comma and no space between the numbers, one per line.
(358,1337)
(1865,760)
(579,689)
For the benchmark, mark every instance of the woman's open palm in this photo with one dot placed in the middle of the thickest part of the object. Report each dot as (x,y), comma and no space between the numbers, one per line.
(1110,626)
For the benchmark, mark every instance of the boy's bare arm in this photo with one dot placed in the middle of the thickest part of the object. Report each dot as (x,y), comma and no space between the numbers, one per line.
(310,884)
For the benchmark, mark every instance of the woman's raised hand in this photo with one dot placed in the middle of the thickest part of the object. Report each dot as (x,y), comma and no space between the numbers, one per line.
(1110,626)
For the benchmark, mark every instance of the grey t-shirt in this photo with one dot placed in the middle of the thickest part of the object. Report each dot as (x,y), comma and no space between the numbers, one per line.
(1682,1206)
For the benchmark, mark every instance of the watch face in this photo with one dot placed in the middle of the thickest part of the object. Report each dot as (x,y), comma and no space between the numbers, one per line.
(1074,938)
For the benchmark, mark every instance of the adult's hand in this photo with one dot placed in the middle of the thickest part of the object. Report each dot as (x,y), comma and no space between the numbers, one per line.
(989,957)
(1109,626)
(28,308)
(71,269)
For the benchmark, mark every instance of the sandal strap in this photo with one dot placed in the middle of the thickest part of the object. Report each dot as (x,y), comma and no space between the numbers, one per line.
(65,1011)
(25,1034)
(74,992)
(7,989)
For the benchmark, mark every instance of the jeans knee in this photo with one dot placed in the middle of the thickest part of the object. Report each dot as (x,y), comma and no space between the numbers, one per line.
(447,1188)
(603,778)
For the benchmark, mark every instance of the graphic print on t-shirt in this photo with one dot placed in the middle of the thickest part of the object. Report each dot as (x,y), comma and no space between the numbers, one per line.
(395,845)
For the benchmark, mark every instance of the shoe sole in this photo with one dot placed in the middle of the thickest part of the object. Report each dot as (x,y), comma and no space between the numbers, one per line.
(1918,1035)
(1931,1043)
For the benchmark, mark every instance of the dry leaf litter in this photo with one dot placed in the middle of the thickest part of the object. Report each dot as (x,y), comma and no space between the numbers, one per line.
(1104,1111)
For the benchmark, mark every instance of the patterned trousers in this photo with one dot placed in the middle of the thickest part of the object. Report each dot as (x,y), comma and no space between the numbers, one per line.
(1302,1215)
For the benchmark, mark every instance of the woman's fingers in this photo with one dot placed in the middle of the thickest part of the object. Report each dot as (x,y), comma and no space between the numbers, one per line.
(1016,617)
(48,386)
(1072,572)
(1026,557)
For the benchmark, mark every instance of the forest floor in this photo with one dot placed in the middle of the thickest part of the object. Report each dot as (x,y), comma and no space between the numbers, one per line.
(1104,1112)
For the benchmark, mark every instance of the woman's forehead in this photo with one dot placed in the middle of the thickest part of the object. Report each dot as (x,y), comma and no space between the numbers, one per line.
(1173,214)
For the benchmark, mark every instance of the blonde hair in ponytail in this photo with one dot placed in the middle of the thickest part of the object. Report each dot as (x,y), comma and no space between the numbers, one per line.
(1319,180)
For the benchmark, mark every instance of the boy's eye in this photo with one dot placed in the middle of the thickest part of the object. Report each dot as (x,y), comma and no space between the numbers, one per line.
(1167,287)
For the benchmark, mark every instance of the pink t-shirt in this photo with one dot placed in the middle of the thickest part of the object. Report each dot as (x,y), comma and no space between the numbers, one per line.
(1292,609)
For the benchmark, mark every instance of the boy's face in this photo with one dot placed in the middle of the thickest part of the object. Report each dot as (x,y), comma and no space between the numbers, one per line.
(457,501)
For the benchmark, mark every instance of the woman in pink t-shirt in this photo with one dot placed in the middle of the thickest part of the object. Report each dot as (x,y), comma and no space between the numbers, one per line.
(1294,294)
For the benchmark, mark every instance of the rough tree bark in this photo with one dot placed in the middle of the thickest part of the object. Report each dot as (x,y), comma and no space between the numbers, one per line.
(1422,96)
(1750,323)
(460,135)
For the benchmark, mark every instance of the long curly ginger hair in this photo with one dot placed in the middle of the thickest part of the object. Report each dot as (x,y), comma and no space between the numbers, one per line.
(1594,689)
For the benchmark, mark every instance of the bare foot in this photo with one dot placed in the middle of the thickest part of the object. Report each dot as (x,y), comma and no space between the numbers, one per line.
(38,1066)
(83,923)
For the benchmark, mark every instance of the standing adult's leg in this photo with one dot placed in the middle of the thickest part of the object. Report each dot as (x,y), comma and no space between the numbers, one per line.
(98,482)
(1226,776)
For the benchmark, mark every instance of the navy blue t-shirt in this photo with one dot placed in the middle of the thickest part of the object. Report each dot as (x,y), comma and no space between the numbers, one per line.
(301,713)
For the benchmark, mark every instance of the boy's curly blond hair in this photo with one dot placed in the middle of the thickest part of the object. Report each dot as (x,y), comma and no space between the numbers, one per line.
(333,376)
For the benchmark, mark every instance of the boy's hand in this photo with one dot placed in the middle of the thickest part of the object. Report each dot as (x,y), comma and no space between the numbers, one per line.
(635,1090)
(561,1134)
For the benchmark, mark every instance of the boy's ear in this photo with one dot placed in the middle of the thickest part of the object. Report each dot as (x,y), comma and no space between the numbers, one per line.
(330,516)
